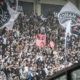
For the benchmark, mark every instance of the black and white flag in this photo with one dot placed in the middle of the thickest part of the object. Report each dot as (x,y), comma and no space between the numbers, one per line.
(7,14)
(69,13)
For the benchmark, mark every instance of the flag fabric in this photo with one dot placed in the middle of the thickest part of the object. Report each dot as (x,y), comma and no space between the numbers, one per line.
(4,13)
(52,44)
(69,13)
(68,16)
(41,40)
(7,15)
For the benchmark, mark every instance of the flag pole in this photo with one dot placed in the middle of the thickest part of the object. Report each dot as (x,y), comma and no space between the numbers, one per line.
(66,48)
(16,5)
(67,37)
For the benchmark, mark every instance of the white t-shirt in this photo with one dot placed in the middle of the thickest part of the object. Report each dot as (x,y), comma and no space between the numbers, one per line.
(0,56)
(46,71)
(4,40)
(26,69)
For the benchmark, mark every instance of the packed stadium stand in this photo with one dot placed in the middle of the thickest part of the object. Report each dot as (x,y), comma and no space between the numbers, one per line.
(32,41)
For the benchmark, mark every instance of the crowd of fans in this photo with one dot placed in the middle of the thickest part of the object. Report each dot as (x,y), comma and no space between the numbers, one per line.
(21,59)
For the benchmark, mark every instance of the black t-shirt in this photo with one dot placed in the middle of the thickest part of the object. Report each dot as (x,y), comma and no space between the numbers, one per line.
(1,41)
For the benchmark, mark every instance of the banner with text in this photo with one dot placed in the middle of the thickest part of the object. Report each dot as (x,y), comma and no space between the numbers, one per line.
(69,13)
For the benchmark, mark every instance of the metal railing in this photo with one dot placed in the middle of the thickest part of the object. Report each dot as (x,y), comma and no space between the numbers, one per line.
(68,73)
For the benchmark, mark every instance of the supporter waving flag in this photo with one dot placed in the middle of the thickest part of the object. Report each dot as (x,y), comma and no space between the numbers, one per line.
(41,40)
